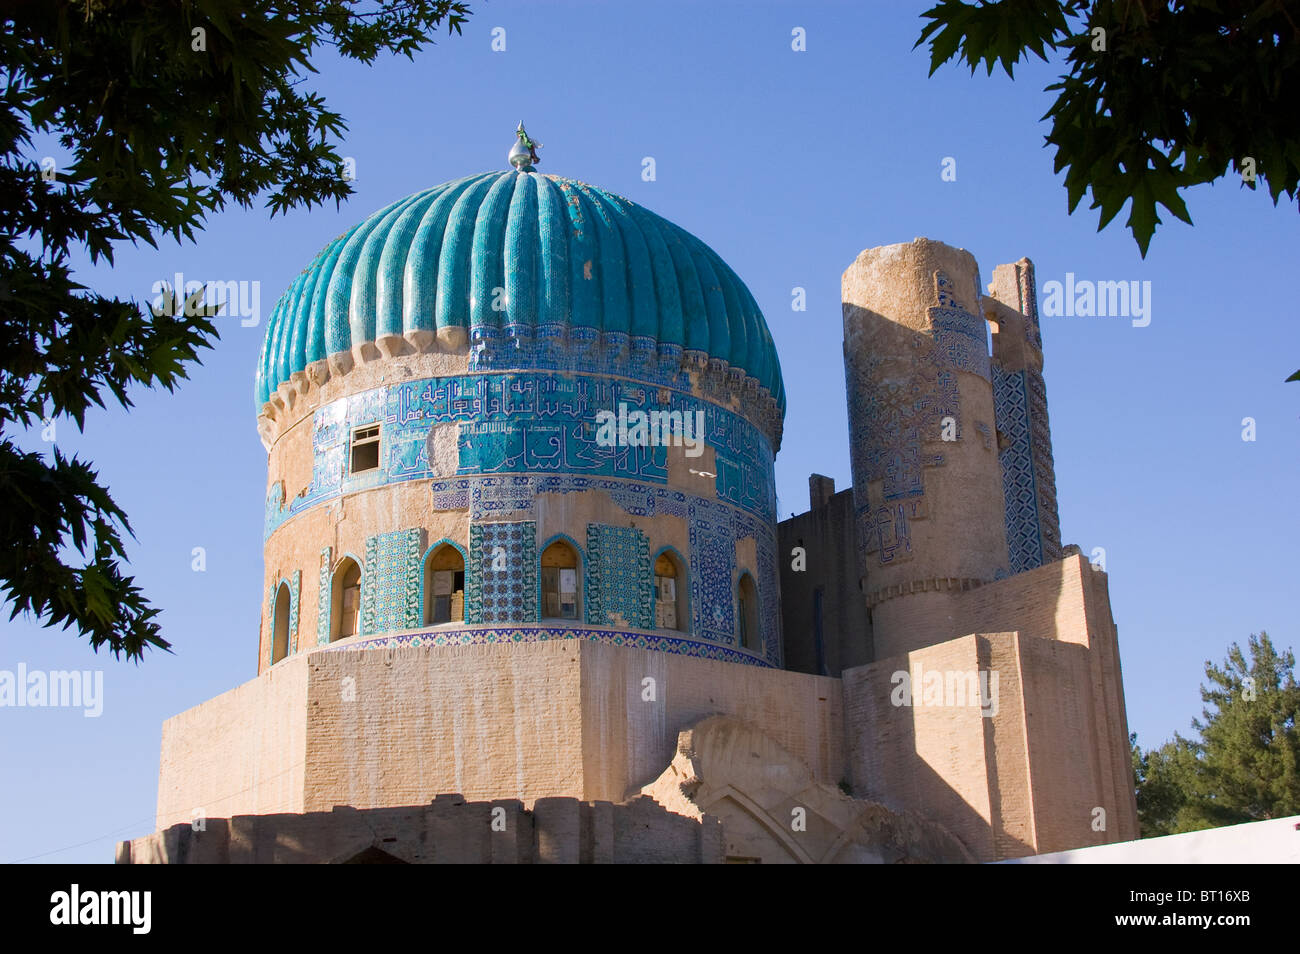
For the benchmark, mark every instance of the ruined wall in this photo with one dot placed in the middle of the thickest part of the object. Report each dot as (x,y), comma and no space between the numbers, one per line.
(448,830)
(773,810)
(1025,437)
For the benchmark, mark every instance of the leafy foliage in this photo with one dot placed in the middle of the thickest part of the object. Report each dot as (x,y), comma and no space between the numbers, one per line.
(1245,766)
(169,111)
(1170,93)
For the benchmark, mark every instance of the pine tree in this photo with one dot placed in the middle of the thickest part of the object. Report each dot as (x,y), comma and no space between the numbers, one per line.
(1246,764)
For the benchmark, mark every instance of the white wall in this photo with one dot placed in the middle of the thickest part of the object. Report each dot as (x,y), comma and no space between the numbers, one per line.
(1268,842)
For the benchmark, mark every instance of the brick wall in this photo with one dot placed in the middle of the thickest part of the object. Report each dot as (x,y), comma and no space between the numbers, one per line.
(828,535)
(379,727)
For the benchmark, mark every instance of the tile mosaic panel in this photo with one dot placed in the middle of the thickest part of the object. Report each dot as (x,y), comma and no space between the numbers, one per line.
(502,584)
(523,422)
(390,586)
(1010,403)
(619,585)
(295,587)
(723,525)
(713,570)
(324,598)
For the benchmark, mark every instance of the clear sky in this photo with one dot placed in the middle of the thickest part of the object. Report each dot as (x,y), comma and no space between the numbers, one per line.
(788,164)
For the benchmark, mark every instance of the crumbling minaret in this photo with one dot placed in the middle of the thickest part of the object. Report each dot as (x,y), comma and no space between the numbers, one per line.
(927,480)
(1020,400)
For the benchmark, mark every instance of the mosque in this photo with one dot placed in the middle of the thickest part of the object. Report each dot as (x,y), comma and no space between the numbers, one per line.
(504,621)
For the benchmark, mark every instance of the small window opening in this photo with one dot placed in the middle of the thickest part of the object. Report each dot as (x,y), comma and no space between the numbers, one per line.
(670,594)
(365,448)
(560,581)
(444,586)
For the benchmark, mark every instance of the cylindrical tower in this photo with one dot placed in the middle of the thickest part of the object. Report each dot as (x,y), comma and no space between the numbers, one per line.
(517,407)
(926,479)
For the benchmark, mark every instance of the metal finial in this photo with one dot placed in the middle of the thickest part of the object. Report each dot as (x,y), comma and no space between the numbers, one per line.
(523,156)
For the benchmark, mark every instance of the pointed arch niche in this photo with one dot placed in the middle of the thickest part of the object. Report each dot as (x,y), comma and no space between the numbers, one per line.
(561,580)
(444,584)
(672,589)
(345,600)
(747,632)
(280,623)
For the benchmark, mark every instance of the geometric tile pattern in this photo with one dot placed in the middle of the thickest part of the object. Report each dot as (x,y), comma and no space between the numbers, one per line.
(324,599)
(714,529)
(368,586)
(496,496)
(894,417)
(1019,487)
(295,585)
(680,645)
(1040,438)
(769,601)
(713,572)
(412,604)
(502,585)
(1049,521)
(899,414)
(961,340)
(390,586)
(618,576)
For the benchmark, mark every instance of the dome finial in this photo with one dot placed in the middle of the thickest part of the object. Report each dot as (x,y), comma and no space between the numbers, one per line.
(524,154)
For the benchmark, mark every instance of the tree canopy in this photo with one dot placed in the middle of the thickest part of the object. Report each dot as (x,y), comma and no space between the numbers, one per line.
(1160,95)
(1245,766)
(168,111)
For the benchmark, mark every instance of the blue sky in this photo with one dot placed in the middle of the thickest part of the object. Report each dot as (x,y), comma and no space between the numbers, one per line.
(788,164)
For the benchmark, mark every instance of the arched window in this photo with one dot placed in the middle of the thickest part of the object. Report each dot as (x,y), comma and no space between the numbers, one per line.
(280,624)
(345,600)
(747,613)
(560,589)
(444,586)
(670,593)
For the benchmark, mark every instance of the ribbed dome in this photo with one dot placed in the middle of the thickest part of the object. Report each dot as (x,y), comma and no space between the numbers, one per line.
(565,253)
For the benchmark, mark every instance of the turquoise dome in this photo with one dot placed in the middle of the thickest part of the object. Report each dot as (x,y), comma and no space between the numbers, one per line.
(572,259)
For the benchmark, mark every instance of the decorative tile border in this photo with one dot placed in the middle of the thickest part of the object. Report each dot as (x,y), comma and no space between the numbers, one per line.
(295,586)
(324,598)
(522,422)
(510,635)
